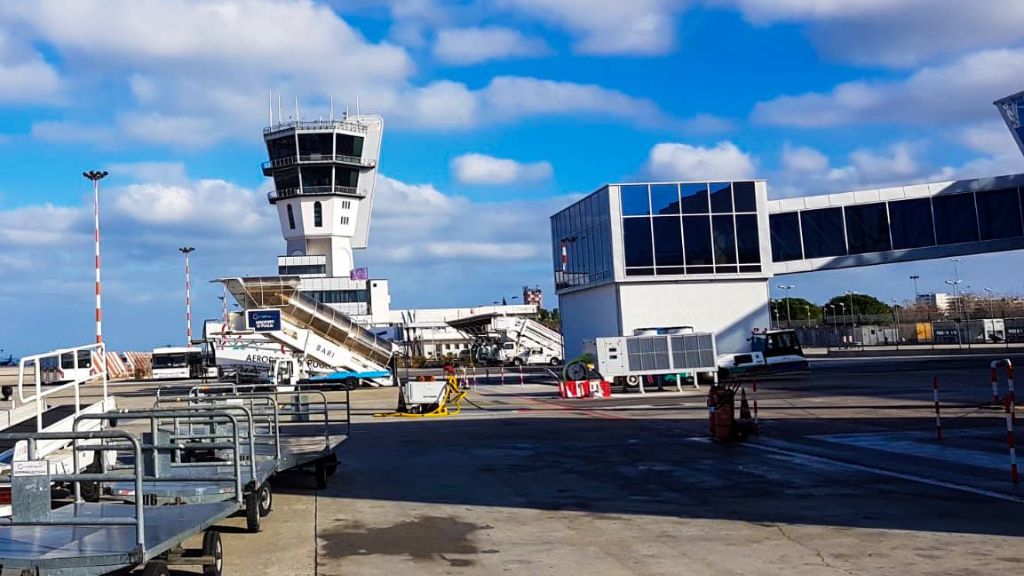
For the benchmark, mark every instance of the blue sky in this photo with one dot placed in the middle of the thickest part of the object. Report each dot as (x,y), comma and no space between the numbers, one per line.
(497,113)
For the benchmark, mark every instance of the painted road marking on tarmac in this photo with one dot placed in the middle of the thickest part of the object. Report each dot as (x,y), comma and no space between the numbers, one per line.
(800,456)
(910,443)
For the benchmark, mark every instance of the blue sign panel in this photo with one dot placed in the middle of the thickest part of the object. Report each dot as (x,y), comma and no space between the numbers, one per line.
(263,320)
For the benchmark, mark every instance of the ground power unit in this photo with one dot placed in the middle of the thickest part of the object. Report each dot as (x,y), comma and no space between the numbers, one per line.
(652,358)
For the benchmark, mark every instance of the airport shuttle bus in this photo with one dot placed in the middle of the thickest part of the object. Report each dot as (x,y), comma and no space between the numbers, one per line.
(178,362)
(74,366)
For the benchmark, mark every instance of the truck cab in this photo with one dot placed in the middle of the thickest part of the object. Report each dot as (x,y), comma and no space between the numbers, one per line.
(772,353)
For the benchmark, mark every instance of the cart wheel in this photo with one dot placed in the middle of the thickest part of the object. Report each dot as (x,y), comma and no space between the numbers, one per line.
(90,491)
(213,547)
(266,499)
(155,568)
(331,466)
(350,383)
(6,392)
(321,475)
(252,514)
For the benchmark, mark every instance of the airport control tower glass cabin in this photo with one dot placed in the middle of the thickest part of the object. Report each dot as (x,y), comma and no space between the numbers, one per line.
(324,173)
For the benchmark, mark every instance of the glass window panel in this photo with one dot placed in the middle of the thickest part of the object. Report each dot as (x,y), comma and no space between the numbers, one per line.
(785,230)
(911,223)
(725,270)
(639,271)
(867,229)
(699,270)
(750,269)
(697,238)
(668,241)
(634,201)
(725,239)
(998,214)
(955,218)
(721,197)
(744,196)
(316,177)
(747,242)
(346,177)
(695,198)
(285,179)
(664,199)
(283,147)
(636,236)
(316,144)
(823,233)
(666,270)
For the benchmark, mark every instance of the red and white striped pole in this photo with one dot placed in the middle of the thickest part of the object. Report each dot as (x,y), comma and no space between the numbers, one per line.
(95,176)
(186,250)
(1009,381)
(938,416)
(565,256)
(1011,441)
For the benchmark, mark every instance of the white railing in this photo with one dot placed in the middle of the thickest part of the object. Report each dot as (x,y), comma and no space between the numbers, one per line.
(317,159)
(96,370)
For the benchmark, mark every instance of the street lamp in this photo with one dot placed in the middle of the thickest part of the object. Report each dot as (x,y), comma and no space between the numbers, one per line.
(186,250)
(991,309)
(789,317)
(95,176)
(956,299)
(853,314)
(915,278)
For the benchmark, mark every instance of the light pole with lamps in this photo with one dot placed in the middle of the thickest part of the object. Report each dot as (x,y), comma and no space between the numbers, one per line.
(956,299)
(991,308)
(853,314)
(915,278)
(95,176)
(789,317)
(186,250)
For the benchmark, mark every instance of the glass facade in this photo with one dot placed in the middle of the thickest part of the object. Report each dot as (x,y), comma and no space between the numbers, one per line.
(581,241)
(898,224)
(690,228)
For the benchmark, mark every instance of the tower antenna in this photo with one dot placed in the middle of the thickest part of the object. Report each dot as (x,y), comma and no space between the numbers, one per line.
(278,108)
(332,108)
(296,108)
(357,106)
(271,111)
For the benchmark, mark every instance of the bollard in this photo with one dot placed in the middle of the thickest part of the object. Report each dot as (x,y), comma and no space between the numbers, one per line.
(995,380)
(995,385)
(1011,441)
(522,382)
(938,417)
(503,373)
(754,398)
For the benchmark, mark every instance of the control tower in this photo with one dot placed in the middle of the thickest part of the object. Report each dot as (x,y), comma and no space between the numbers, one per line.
(324,173)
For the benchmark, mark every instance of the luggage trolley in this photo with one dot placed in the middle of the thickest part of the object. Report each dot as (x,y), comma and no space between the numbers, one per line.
(85,538)
(193,437)
(308,435)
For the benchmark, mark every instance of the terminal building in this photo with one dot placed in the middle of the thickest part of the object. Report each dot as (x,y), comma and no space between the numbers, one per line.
(702,254)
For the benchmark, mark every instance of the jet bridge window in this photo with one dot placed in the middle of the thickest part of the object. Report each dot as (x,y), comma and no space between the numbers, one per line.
(955,218)
(785,228)
(823,232)
(998,214)
(867,228)
(911,223)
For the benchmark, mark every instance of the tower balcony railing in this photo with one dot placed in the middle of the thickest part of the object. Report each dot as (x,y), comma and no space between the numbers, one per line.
(269,165)
(275,195)
(316,125)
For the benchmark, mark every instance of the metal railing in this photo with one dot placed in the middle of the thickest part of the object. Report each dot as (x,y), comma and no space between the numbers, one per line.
(275,195)
(95,372)
(318,159)
(316,125)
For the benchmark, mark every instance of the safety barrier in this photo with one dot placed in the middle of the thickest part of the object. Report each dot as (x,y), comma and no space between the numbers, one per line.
(994,371)
(938,414)
(1011,441)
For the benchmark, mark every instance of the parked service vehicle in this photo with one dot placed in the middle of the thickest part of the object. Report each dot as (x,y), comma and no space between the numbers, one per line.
(181,362)
(525,342)
(70,366)
(772,353)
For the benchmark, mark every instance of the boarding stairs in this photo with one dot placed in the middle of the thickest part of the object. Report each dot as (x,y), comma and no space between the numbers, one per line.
(311,328)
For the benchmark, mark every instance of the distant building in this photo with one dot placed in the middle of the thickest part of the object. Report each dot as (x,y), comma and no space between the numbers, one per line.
(533,296)
(938,300)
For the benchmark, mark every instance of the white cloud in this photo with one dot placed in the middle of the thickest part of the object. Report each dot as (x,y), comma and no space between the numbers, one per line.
(466,46)
(899,33)
(960,91)
(609,26)
(27,77)
(484,169)
(676,161)
(803,159)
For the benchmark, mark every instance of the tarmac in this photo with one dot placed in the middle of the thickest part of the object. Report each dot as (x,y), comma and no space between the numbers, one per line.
(846,477)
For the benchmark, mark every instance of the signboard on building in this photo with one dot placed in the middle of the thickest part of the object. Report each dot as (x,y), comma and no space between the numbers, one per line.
(359,274)
(263,320)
